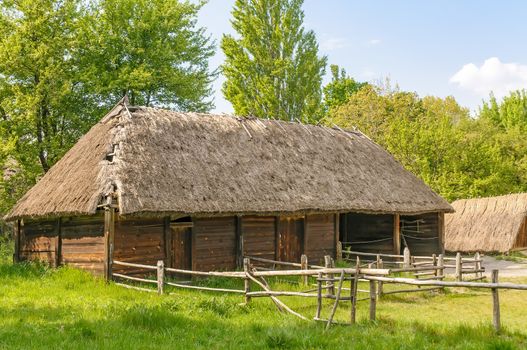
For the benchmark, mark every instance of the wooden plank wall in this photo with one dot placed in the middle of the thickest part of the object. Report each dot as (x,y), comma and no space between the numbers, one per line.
(259,237)
(214,245)
(38,240)
(138,240)
(83,243)
(358,228)
(319,239)
(429,242)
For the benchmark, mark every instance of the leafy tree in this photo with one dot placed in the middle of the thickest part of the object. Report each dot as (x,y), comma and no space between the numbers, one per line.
(437,140)
(151,50)
(272,69)
(64,62)
(339,90)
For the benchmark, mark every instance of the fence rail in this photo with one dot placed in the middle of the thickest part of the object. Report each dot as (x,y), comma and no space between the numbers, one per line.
(329,281)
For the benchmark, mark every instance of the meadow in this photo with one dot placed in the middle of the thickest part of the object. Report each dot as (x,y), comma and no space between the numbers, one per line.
(65,308)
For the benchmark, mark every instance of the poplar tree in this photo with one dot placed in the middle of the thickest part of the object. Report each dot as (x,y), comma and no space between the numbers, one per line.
(272,67)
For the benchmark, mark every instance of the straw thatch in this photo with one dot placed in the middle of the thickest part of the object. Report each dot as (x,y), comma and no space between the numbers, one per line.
(491,224)
(186,163)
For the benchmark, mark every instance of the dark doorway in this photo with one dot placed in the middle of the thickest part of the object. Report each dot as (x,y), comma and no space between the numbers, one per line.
(290,242)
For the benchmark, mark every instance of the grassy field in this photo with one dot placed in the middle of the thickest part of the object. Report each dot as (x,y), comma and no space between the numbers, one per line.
(69,309)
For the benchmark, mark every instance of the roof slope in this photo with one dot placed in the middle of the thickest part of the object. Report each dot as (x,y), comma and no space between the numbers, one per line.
(169,162)
(485,224)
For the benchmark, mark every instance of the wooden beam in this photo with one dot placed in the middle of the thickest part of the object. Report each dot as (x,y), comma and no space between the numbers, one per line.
(336,234)
(109,233)
(58,243)
(17,233)
(304,237)
(193,254)
(239,242)
(396,234)
(167,239)
(277,238)
(441,231)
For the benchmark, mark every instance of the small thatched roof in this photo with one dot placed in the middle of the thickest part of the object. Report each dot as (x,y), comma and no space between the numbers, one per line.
(485,224)
(167,162)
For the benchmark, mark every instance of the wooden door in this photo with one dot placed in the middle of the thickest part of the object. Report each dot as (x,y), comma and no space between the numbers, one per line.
(290,239)
(181,246)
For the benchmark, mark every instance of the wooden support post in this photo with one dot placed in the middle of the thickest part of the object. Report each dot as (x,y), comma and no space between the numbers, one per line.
(495,303)
(406,258)
(160,276)
(339,251)
(330,285)
(396,235)
(373,300)
(440,264)
(441,231)
(459,267)
(319,296)
(353,296)
(477,257)
(167,239)
(247,281)
(239,242)
(58,244)
(304,266)
(17,232)
(109,230)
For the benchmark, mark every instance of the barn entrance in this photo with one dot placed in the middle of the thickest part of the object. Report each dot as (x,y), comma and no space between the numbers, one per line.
(290,238)
(181,245)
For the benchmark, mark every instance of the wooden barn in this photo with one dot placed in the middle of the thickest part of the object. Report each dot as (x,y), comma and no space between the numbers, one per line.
(201,191)
(492,224)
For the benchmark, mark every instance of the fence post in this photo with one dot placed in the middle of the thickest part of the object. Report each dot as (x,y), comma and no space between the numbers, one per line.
(380,265)
(353,293)
(339,251)
(459,267)
(441,266)
(304,266)
(247,281)
(373,300)
(319,295)
(434,263)
(406,258)
(495,303)
(160,276)
(329,284)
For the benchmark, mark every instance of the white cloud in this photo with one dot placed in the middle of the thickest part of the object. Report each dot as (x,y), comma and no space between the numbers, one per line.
(493,75)
(330,44)
(374,42)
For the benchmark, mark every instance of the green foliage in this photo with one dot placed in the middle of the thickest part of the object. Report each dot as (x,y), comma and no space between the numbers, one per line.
(272,69)
(436,139)
(338,91)
(150,49)
(64,62)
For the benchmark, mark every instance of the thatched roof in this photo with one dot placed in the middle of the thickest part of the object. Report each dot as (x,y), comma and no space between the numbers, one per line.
(485,224)
(203,164)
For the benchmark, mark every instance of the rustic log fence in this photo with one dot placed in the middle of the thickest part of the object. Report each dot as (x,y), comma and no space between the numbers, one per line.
(325,280)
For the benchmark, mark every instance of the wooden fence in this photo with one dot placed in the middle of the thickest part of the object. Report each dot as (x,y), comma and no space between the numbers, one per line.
(329,283)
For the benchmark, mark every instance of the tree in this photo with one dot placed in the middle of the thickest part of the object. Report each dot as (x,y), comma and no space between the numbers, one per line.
(64,62)
(151,50)
(272,69)
(438,141)
(339,90)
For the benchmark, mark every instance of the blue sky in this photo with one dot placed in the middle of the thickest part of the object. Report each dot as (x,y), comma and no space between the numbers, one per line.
(461,48)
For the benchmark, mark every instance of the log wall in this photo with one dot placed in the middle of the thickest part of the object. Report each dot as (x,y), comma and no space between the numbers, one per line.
(38,241)
(319,239)
(140,241)
(82,243)
(259,238)
(214,244)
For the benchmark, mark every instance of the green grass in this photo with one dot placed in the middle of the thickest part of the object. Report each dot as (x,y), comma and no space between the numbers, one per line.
(69,309)
(518,257)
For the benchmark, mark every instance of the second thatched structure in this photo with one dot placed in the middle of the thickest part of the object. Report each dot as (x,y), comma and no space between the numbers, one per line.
(492,224)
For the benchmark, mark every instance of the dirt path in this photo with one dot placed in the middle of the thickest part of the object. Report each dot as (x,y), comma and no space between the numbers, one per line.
(506,268)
